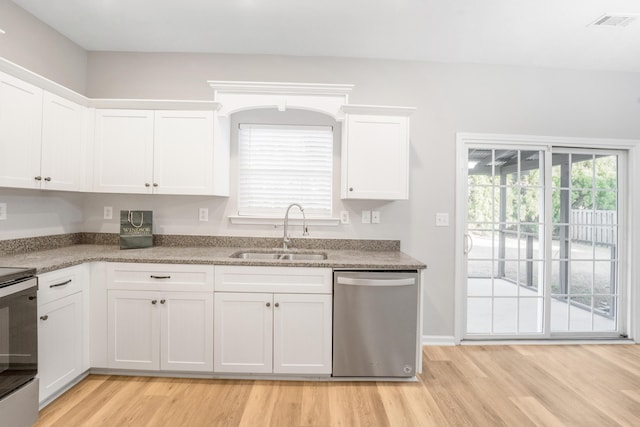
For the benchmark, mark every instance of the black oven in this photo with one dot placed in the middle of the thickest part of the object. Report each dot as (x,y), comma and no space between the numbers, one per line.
(18,328)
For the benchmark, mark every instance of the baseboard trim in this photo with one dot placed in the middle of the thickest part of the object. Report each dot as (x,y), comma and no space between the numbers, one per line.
(438,340)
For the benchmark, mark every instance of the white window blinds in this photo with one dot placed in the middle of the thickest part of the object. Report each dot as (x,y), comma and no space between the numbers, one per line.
(284,164)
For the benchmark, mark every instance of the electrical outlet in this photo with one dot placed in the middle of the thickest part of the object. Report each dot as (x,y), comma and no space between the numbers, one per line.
(344,217)
(108,212)
(375,217)
(366,217)
(203,214)
(442,220)
(3,211)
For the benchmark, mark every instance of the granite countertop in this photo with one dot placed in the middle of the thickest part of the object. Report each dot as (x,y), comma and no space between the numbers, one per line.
(54,259)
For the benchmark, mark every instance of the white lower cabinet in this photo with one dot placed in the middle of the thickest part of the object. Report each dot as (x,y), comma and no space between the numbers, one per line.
(62,329)
(243,324)
(160,330)
(273,332)
(59,343)
(302,334)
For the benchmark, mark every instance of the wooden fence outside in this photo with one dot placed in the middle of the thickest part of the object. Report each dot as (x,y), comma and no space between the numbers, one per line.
(598,226)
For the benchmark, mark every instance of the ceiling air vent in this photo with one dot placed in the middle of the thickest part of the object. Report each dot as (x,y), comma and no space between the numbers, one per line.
(617,20)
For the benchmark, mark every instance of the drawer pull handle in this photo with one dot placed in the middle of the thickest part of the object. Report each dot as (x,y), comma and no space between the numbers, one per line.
(277,304)
(268,304)
(160,277)
(45,317)
(154,302)
(162,301)
(60,284)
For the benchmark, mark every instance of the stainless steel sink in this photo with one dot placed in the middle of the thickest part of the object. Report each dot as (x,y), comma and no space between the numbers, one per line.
(281,256)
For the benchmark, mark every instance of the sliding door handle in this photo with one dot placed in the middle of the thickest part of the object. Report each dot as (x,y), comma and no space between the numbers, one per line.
(468,243)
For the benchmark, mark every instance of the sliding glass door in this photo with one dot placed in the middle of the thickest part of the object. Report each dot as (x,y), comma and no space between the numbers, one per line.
(542,250)
(585,248)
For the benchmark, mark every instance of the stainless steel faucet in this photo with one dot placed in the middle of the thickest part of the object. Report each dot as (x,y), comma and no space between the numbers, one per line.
(286,241)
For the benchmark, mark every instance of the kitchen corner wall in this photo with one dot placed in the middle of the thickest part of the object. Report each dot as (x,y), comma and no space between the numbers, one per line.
(449,98)
(41,49)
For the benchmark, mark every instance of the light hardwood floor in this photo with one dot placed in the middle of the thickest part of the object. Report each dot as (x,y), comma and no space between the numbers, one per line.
(573,385)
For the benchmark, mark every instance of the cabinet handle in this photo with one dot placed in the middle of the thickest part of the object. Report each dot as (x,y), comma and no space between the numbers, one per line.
(154,302)
(45,317)
(155,184)
(48,178)
(277,304)
(146,184)
(38,178)
(60,284)
(350,188)
(162,301)
(160,277)
(268,304)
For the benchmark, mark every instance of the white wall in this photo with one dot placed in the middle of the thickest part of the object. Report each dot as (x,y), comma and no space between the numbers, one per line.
(449,98)
(39,48)
(32,213)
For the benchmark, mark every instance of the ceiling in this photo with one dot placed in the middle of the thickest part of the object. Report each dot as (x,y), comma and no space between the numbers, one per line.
(546,33)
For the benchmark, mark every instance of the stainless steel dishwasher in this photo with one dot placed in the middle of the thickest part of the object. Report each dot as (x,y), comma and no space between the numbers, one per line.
(375,323)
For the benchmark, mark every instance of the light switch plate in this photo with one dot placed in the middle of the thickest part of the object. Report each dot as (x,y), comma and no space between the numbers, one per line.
(442,220)
(108,212)
(366,217)
(203,214)
(375,217)
(344,217)
(3,211)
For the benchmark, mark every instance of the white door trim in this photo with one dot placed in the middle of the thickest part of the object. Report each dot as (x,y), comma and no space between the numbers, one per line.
(633,205)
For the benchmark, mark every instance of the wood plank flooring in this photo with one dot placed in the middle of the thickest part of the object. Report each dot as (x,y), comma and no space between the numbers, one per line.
(569,385)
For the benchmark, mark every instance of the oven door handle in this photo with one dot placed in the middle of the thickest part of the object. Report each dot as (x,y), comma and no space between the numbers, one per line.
(57,285)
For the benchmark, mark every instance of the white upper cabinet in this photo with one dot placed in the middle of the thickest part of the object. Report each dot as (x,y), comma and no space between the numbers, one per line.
(123,151)
(375,153)
(159,152)
(42,138)
(20,133)
(183,152)
(63,143)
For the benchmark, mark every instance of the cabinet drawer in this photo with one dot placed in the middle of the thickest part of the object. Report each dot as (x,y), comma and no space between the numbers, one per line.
(178,277)
(295,280)
(61,283)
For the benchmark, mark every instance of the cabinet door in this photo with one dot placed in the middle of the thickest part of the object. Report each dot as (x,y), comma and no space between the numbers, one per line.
(59,343)
(20,133)
(62,143)
(376,157)
(183,152)
(123,151)
(134,334)
(186,340)
(302,331)
(243,332)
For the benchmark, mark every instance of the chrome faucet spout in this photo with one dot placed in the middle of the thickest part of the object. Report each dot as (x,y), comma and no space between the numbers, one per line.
(286,241)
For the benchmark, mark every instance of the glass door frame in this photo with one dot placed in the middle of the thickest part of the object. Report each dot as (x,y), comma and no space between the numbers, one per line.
(622,245)
(629,173)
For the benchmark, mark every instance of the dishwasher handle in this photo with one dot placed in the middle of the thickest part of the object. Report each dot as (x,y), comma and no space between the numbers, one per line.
(341,280)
